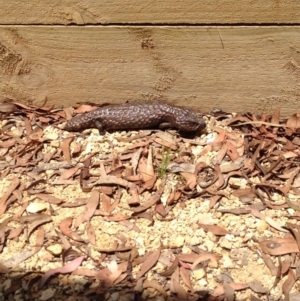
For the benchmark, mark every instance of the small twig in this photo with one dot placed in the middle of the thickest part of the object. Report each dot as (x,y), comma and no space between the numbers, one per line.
(262,122)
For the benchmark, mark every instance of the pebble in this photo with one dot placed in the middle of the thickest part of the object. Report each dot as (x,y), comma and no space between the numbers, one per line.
(55,249)
(198,274)
(36,207)
(47,294)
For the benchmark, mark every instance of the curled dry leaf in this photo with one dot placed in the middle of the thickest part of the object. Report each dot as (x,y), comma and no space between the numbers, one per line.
(156,286)
(65,228)
(191,180)
(171,269)
(39,219)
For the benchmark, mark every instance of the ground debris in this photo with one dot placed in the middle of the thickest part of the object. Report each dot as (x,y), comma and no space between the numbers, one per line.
(148,214)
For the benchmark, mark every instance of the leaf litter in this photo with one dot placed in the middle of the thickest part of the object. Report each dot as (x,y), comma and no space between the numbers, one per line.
(149,215)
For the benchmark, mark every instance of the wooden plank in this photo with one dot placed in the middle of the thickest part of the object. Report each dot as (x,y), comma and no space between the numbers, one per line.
(232,68)
(148,11)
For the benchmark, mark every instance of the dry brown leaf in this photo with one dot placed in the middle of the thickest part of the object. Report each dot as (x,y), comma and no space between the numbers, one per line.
(146,168)
(220,179)
(139,144)
(66,269)
(113,250)
(288,284)
(69,173)
(232,151)
(105,202)
(173,197)
(213,229)
(175,287)
(166,144)
(257,287)
(65,147)
(117,217)
(182,167)
(156,286)
(221,153)
(92,204)
(15,232)
(112,180)
(293,122)
(85,272)
(192,258)
(149,263)
(13,185)
(3,269)
(185,276)
(18,257)
(279,246)
(160,209)
(14,286)
(135,199)
(228,292)
(269,263)
(219,290)
(3,228)
(65,228)
(49,198)
(8,143)
(295,233)
(152,200)
(40,237)
(90,231)
(276,116)
(169,271)
(40,219)
(191,180)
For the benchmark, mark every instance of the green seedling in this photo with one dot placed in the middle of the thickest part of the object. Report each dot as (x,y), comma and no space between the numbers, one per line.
(165,161)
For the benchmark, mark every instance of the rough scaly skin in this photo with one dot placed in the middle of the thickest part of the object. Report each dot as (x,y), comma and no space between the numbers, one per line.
(137,116)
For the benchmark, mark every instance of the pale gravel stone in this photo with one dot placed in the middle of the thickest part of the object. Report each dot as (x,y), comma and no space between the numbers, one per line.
(209,245)
(36,207)
(55,249)
(198,274)
(227,263)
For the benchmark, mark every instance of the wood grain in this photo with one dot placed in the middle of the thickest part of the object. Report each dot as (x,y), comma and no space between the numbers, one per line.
(233,68)
(148,11)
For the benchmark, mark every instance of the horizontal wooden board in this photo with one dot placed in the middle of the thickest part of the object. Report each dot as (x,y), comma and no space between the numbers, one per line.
(233,68)
(148,11)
